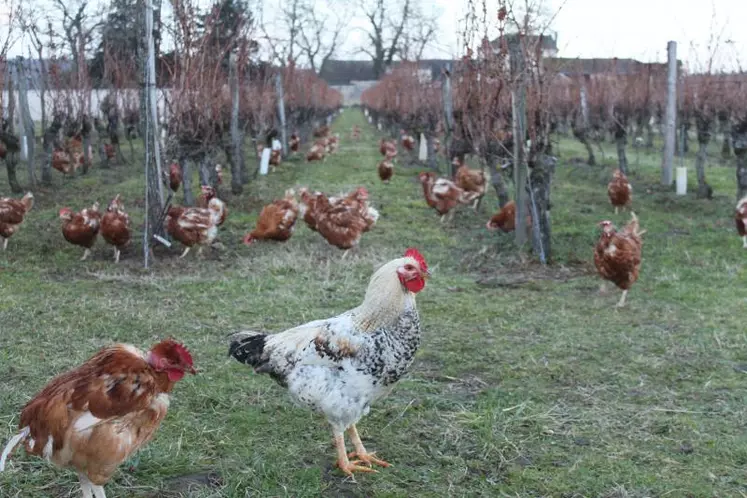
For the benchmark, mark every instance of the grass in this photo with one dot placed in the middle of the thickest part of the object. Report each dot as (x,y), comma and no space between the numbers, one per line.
(529,383)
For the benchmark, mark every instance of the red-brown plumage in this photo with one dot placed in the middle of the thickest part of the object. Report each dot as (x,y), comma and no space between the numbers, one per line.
(275,158)
(386,170)
(276,220)
(12,214)
(388,149)
(95,416)
(109,151)
(195,226)
(115,226)
(62,162)
(316,153)
(294,143)
(203,200)
(740,218)
(333,143)
(617,255)
(3,150)
(340,224)
(308,206)
(619,190)
(408,142)
(175,176)
(471,180)
(81,229)
(505,218)
(443,195)
(321,131)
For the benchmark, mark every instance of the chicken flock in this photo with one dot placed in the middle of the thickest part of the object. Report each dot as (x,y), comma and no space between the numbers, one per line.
(94,417)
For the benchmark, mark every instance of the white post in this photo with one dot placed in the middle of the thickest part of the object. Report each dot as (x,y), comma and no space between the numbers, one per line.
(423,155)
(264,162)
(682,180)
(671,116)
(276,145)
(378,125)
(281,112)
(24,148)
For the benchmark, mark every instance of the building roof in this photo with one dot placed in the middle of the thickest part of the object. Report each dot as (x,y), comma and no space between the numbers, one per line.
(342,72)
(578,67)
(548,41)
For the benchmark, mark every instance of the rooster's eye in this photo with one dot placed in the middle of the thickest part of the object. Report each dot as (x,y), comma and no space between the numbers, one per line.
(409,267)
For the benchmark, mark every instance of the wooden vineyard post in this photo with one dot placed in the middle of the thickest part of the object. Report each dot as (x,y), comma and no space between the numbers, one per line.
(671,116)
(237,185)
(281,113)
(519,113)
(448,112)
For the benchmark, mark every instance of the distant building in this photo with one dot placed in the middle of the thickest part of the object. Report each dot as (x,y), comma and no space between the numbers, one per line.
(352,77)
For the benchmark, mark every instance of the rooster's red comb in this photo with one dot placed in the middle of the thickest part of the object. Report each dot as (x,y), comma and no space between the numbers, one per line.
(415,254)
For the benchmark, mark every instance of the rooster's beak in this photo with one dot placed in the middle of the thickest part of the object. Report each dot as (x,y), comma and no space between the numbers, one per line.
(191,370)
(427,274)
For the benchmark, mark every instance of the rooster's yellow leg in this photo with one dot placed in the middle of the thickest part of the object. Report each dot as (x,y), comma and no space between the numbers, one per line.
(343,462)
(360,452)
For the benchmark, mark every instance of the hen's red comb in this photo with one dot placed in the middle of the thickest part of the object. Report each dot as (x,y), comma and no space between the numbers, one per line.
(415,254)
(184,353)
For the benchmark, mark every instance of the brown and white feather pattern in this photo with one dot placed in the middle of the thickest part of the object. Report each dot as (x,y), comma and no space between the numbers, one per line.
(95,416)
(740,217)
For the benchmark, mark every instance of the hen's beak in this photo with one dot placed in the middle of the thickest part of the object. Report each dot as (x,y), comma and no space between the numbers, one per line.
(426,274)
(191,370)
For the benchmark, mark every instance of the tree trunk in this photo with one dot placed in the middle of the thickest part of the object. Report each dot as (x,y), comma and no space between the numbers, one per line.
(189,198)
(704,137)
(432,159)
(233,152)
(621,141)
(726,145)
(11,141)
(582,136)
(496,179)
(86,152)
(649,134)
(540,180)
(739,142)
(204,171)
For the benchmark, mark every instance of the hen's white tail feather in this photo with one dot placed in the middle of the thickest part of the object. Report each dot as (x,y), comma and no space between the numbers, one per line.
(14,441)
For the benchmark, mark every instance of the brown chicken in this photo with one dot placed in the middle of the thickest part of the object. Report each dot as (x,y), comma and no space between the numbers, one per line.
(294,143)
(109,151)
(617,255)
(316,153)
(276,221)
(333,143)
(219,174)
(93,417)
(340,224)
(321,131)
(505,219)
(115,226)
(386,170)
(203,200)
(12,214)
(356,133)
(619,191)
(81,229)
(443,195)
(473,181)
(195,226)
(307,206)
(174,177)
(408,142)
(388,149)
(62,162)
(740,217)
(436,145)
(276,158)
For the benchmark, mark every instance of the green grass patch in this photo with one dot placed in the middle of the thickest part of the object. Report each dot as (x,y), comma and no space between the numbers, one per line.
(528,383)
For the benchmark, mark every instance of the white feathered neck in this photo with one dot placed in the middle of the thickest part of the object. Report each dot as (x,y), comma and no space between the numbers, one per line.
(386,297)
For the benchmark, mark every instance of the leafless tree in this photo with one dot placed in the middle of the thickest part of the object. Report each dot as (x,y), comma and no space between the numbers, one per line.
(284,49)
(395,28)
(321,34)
(30,22)
(79,24)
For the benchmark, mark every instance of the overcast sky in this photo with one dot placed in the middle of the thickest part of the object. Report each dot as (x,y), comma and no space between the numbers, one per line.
(638,29)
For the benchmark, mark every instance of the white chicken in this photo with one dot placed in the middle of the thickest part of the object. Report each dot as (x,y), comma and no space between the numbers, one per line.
(342,365)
